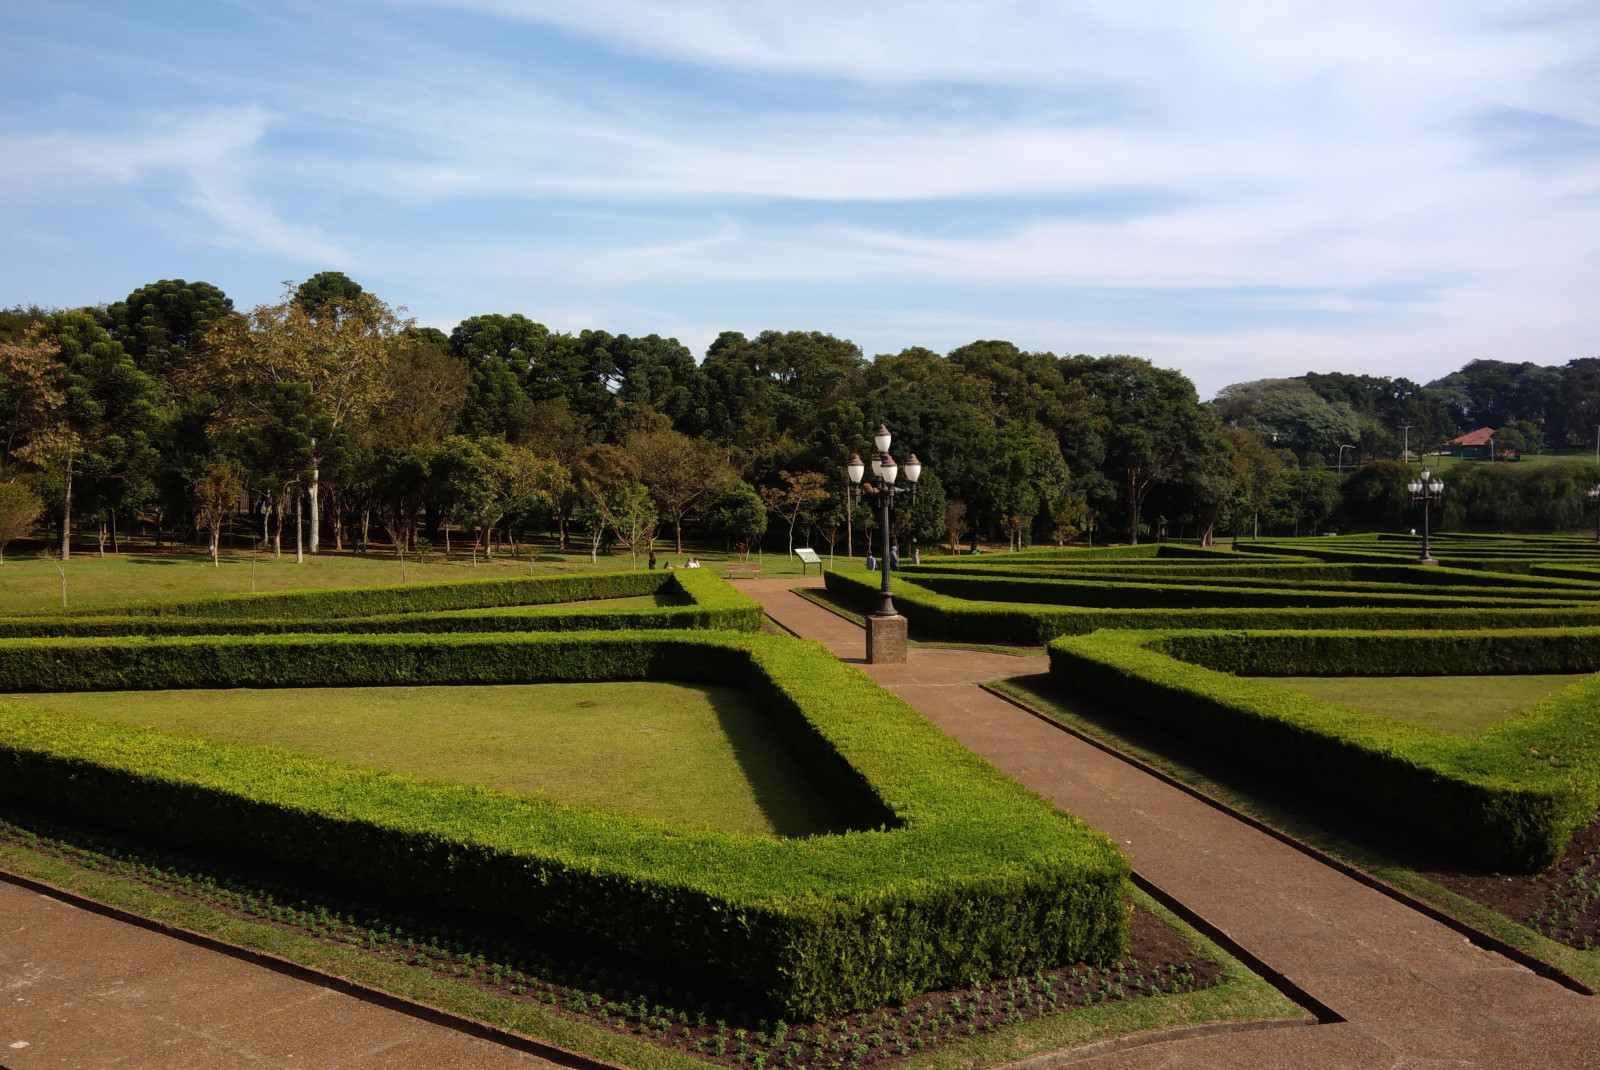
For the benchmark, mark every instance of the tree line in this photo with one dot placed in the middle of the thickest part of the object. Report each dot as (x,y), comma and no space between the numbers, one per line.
(328,420)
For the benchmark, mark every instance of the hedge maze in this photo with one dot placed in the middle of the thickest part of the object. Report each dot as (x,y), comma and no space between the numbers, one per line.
(1187,639)
(950,873)
(1346,582)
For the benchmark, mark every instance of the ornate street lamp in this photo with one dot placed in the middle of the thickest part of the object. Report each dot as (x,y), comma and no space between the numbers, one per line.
(1428,489)
(1594,496)
(885,473)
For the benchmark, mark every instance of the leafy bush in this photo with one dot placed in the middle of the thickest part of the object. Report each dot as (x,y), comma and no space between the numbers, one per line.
(957,873)
(1507,799)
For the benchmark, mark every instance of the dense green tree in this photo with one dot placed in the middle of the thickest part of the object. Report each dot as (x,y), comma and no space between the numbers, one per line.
(162,323)
(1154,424)
(1288,413)
(738,515)
(328,295)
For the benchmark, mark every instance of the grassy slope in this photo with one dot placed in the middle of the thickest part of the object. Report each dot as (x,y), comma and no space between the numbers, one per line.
(698,755)
(1463,705)
(1050,702)
(31,585)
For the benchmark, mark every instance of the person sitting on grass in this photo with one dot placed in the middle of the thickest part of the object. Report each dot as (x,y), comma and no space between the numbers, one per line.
(694,562)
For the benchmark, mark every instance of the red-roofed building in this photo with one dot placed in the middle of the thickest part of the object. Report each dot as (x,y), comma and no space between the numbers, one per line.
(1474,445)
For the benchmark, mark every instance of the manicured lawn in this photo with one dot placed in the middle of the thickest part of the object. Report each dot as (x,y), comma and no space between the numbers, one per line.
(31,585)
(699,755)
(1462,705)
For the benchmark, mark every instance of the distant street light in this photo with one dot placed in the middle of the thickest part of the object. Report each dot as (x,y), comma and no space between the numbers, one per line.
(885,471)
(1341,457)
(1429,489)
(1594,496)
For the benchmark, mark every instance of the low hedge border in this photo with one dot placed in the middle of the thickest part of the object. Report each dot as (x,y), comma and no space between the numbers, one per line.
(1508,799)
(1027,624)
(966,874)
(1151,594)
(709,602)
(404,597)
(1413,578)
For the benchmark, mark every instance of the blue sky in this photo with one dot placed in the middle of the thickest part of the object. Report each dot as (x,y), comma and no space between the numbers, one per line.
(1234,189)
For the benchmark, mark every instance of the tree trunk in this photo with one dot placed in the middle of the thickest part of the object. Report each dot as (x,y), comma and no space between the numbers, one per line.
(277,527)
(849,533)
(1133,510)
(299,528)
(66,514)
(366,526)
(677,534)
(214,562)
(111,515)
(316,505)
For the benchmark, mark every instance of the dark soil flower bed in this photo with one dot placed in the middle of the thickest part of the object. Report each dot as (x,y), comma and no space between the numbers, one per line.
(622,996)
(1563,902)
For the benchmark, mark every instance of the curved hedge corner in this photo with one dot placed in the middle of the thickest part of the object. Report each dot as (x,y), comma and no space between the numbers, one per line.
(1508,799)
(956,873)
(527,604)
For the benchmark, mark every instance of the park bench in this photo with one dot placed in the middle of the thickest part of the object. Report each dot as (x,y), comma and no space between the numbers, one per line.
(743,570)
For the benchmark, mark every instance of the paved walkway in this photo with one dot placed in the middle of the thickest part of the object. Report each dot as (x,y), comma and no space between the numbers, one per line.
(1415,993)
(78,989)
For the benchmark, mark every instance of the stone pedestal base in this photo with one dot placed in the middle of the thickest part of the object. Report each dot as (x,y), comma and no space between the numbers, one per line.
(886,640)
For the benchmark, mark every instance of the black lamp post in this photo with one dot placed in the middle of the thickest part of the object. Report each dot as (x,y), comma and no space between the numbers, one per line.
(1594,496)
(1427,489)
(885,472)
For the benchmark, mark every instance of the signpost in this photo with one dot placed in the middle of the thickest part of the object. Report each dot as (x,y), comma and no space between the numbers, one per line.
(808,556)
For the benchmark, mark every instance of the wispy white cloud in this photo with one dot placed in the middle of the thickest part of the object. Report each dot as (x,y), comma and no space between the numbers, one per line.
(1411,181)
(212,151)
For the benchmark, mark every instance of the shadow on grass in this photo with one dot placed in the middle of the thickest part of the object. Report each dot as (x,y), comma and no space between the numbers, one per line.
(792,800)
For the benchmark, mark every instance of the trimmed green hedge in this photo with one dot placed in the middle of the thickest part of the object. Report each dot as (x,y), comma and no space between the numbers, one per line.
(1100,594)
(708,602)
(958,872)
(1508,799)
(1033,624)
(405,597)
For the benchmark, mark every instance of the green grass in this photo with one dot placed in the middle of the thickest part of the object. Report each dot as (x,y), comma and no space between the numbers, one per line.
(696,755)
(1529,459)
(29,584)
(1461,705)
